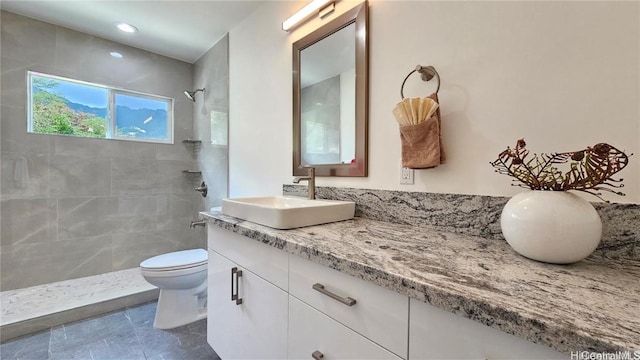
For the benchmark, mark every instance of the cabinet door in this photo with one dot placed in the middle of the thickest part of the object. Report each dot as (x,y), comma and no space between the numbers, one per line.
(439,334)
(254,329)
(223,315)
(311,331)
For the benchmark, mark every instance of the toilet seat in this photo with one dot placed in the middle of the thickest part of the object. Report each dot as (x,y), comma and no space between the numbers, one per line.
(178,260)
(174,272)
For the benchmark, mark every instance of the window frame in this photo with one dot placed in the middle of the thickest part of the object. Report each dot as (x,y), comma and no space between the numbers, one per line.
(111,108)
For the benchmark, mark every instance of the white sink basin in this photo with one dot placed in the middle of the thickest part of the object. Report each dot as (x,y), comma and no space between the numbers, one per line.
(288,212)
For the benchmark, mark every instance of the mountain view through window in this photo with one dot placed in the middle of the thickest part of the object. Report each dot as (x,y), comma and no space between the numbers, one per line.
(68,107)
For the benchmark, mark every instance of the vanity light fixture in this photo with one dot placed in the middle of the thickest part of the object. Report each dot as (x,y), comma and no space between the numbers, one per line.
(303,14)
(128,28)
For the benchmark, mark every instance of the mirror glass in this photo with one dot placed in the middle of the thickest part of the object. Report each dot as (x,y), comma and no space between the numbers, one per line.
(330,97)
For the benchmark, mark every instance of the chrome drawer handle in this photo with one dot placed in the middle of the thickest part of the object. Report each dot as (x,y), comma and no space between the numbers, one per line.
(317,355)
(234,295)
(345,300)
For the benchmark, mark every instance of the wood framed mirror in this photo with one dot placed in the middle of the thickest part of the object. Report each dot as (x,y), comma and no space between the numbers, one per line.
(331,97)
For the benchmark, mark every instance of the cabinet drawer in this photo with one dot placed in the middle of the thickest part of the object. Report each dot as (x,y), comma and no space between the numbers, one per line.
(439,334)
(378,314)
(311,331)
(272,264)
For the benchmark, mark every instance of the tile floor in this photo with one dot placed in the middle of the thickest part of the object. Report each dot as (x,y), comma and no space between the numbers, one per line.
(122,335)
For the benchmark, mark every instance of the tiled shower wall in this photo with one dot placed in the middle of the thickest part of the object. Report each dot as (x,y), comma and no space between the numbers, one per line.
(210,120)
(88,206)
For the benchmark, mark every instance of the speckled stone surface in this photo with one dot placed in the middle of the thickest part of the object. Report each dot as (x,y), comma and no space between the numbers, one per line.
(39,307)
(474,214)
(40,300)
(592,305)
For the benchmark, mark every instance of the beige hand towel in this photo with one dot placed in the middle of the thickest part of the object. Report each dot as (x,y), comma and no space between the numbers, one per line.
(422,143)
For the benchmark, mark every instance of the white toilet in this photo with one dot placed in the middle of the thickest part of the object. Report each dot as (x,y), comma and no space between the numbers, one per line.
(182,279)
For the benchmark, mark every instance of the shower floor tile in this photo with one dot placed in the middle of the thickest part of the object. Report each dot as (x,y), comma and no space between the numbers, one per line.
(41,300)
(36,308)
(123,335)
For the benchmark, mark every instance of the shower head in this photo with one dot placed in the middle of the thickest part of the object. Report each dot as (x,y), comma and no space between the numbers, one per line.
(191,95)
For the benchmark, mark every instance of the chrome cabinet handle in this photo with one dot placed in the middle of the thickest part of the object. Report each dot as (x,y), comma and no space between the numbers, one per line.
(233,271)
(317,355)
(234,294)
(345,300)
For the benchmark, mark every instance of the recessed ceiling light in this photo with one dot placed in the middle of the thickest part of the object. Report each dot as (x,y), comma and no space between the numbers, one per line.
(126,27)
(116,54)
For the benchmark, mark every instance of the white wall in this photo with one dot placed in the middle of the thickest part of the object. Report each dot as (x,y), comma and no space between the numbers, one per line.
(563,75)
(260,98)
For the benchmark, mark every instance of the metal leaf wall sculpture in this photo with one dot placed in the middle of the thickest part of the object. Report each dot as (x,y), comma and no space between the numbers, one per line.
(589,170)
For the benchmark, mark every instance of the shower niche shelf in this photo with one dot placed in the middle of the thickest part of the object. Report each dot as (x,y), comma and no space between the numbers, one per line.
(195,144)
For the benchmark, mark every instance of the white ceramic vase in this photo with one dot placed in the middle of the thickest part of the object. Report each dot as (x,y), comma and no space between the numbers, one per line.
(551,226)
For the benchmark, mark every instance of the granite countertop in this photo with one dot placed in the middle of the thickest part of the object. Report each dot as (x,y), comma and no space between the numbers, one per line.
(593,305)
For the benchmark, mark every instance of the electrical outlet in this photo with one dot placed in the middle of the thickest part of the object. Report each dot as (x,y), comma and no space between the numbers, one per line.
(406,176)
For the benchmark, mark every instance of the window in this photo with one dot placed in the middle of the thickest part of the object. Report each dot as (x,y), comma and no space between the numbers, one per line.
(64,106)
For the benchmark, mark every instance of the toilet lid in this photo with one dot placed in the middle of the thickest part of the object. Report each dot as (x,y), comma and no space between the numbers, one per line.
(176,260)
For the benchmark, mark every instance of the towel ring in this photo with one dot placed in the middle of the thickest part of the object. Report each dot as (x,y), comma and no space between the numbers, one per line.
(426,73)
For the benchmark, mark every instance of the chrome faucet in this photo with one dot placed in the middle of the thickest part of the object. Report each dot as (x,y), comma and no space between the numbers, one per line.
(311,178)
(200,222)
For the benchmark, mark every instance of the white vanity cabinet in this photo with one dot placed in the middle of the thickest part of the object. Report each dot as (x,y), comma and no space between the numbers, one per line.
(268,262)
(376,313)
(253,323)
(439,334)
(288,307)
(314,335)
